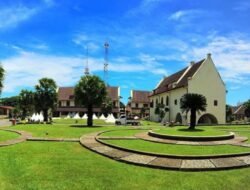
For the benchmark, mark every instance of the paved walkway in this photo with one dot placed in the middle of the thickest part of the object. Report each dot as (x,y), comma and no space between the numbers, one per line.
(5,123)
(238,140)
(53,139)
(155,161)
(23,137)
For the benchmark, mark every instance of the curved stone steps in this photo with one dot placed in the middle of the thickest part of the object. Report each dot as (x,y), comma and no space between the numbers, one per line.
(89,141)
(238,140)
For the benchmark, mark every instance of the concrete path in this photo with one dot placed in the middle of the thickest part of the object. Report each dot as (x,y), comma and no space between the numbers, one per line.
(23,137)
(53,139)
(163,162)
(5,123)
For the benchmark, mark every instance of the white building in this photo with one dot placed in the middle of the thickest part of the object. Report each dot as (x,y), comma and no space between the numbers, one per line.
(201,78)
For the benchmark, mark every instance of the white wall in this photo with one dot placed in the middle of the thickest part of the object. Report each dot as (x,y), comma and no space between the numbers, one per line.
(207,81)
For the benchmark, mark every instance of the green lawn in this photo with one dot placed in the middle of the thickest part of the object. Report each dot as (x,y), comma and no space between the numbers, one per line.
(244,134)
(120,133)
(6,135)
(184,131)
(177,149)
(52,166)
(61,165)
(67,131)
(79,121)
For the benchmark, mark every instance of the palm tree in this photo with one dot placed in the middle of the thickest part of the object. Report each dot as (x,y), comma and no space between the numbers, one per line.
(45,96)
(2,73)
(194,103)
(89,92)
(247,108)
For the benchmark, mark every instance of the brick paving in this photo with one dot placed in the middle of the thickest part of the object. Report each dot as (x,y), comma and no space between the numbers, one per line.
(163,161)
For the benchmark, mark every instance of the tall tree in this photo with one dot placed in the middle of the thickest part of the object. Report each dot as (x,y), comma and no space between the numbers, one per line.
(26,103)
(9,101)
(229,113)
(89,92)
(45,96)
(2,73)
(247,108)
(194,103)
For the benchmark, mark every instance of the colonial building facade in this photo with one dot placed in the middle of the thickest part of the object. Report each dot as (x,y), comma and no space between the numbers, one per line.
(66,102)
(139,103)
(202,78)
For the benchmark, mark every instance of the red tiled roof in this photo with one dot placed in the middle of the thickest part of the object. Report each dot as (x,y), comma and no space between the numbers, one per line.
(239,110)
(77,109)
(7,107)
(140,96)
(168,83)
(67,93)
(113,93)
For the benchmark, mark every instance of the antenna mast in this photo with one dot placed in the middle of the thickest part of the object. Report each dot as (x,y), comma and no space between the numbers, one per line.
(86,70)
(106,49)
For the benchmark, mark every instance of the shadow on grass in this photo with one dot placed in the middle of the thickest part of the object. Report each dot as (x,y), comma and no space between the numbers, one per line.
(85,126)
(191,130)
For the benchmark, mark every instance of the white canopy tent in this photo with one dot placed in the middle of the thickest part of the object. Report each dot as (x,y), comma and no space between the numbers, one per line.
(85,116)
(102,117)
(77,116)
(110,119)
(94,116)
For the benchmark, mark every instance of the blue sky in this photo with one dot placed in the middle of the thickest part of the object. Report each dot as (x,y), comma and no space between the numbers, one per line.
(149,39)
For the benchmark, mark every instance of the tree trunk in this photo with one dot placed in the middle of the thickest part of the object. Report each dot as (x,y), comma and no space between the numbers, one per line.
(192,119)
(90,116)
(45,115)
(24,114)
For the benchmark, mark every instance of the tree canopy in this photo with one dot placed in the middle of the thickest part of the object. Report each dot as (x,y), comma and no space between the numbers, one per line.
(2,73)
(26,103)
(90,91)
(247,110)
(194,103)
(45,96)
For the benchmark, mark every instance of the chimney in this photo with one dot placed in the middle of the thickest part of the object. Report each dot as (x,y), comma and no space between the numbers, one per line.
(192,63)
(209,55)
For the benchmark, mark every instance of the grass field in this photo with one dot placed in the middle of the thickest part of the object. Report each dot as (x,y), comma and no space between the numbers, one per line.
(177,149)
(6,135)
(60,165)
(79,121)
(120,133)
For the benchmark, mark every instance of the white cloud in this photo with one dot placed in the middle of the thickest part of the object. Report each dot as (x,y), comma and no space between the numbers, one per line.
(186,15)
(145,7)
(230,54)
(12,16)
(85,41)
(49,2)
(25,69)
(242,6)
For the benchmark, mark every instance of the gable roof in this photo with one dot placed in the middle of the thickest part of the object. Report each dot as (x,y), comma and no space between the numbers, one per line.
(178,79)
(67,93)
(140,96)
(239,110)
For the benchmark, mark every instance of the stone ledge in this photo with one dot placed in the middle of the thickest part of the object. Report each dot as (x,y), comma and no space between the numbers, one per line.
(192,138)
(166,163)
